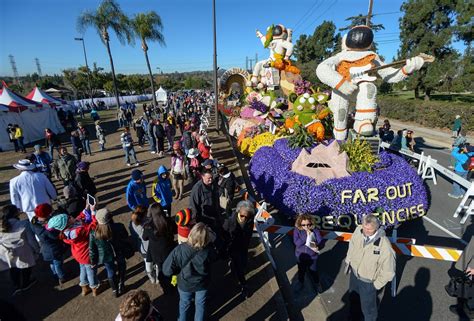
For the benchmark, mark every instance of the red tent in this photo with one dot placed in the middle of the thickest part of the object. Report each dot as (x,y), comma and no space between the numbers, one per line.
(40,96)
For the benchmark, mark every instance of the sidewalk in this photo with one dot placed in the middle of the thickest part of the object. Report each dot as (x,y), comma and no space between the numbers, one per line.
(433,136)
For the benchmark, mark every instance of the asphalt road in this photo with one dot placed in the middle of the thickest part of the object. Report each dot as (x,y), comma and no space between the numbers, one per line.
(420,289)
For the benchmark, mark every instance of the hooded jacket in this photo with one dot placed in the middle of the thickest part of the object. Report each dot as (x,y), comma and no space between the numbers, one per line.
(77,236)
(84,184)
(136,194)
(67,165)
(52,248)
(374,261)
(161,189)
(18,247)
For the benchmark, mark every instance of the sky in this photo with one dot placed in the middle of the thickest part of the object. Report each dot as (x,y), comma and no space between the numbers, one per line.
(46,30)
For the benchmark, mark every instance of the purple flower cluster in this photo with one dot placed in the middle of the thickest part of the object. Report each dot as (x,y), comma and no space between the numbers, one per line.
(292,193)
(259,106)
(302,87)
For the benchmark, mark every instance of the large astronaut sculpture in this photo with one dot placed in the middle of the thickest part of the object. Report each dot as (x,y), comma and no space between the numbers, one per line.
(336,72)
(278,40)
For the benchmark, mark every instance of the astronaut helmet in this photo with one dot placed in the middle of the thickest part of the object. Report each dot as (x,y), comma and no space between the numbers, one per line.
(279,32)
(359,38)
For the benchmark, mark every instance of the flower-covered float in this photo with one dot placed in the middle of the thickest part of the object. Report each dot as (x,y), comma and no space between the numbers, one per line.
(296,162)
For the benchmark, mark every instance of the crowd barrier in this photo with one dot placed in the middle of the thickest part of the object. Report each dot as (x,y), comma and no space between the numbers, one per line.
(111,101)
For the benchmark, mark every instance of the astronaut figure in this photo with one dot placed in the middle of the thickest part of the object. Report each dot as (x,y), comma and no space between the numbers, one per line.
(337,72)
(278,40)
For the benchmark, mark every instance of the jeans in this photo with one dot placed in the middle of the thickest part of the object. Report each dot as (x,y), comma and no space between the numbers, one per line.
(152,141)
(368,297)
(86,146)
(20,277)
(457,189)
(161,144)
(57,268)
(120,122)
(51,151)
(15,144)
(110,269)
(185,301)
(120,267)
(88,276)
(130,151)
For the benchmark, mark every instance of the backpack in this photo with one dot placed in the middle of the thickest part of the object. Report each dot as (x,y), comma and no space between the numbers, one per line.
(469,164)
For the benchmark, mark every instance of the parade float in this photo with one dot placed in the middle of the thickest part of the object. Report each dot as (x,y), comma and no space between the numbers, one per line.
(304,159)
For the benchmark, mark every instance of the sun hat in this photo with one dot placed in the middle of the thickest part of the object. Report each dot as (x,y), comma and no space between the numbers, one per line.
(193,153)
(58,222)
(43,210)
(103,216)
(183,217)
(137,174)
(24,165)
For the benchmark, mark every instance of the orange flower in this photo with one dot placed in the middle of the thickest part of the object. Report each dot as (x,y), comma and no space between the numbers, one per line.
(323,113)
(290,122)
(317,129)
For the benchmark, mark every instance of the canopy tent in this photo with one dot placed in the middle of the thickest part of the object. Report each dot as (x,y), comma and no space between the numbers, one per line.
(161,95)
(4,108)
(33,117)
(38,95)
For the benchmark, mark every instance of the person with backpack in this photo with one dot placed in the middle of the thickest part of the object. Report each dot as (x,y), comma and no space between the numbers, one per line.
(158,232)
(191,262)
(463,163)
(107,244)
(161,189)
(194,164)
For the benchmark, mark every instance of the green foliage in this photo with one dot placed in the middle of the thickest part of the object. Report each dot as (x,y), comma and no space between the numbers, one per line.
(321,45)
(361,20)
(196,83)
(433,114)
(300,138)
(361,158)
(465,24)
(148,27)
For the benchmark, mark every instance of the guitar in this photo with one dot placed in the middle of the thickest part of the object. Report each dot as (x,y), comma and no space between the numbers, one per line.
(359,74)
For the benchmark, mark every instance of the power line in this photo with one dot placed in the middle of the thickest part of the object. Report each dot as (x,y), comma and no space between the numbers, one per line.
(306,15)
(322,14)
(387,13)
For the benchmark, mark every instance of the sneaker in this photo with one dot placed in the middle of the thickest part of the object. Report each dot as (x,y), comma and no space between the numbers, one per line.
(128,164)
(153,152)
(137,164)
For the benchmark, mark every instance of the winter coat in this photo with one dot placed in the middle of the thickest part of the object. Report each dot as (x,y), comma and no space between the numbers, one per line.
(204,150)
(136,194)
(159,247)
(161,188)
(457,124)
(188,141)
(83,133)
(76,144)
(30,189)
(18,133)
(301,250)
(204,202)
(77,236)
(467,257)
(52,248)
(100,133)
(51,139)
(84,184)
(67,165)
(72,206)
(127,140)
(136,231)
(193,267)
(43,162)
(372,262)
(227,184)
(106,251)
(238,236)
(18,247)
(158,131)
(460,158)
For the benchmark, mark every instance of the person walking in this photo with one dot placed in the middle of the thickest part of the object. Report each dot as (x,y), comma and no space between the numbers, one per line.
(227,185)
(204,200)
(19,138)
(85,138)
(51,141)
(457,125)
(107,247)
(461,155)
(158,232)
(137,125)
(52,248)
(184,224)
(151,135)
(66,166)
(204,149)
(83,182)
(75,232)
(127,145)
(159,133)
(371,263)
(100,133)
(136,191)
(238,232)
(76,143)
(191,262)
(307,240)
(18,248)
(161,190)
(170,130)
(178,170)
(30,188)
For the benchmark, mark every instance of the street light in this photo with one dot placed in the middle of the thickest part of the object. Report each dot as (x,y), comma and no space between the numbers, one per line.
(216,94)
(87,66)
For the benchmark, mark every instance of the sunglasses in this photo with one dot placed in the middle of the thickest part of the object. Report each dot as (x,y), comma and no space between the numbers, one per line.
(308,225)
(243,216)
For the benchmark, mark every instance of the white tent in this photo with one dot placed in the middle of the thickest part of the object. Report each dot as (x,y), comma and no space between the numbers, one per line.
(161,95)
(40,96)
(32,117)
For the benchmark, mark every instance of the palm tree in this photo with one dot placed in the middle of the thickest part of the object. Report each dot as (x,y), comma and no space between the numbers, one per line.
(148,27)
(108,16)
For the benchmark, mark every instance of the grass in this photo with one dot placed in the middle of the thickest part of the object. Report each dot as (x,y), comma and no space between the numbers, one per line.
(454,97)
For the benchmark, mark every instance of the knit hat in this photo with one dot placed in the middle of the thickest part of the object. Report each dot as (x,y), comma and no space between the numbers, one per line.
(83,166)
(103,216)
(183,217)
(43,210)
(137,174)
(58,222)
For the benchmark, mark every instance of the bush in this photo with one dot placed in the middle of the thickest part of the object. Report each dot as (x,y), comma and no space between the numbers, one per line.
(434,114)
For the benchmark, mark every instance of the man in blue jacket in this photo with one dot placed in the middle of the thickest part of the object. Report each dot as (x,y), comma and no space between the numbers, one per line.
(461,155)
(136,191)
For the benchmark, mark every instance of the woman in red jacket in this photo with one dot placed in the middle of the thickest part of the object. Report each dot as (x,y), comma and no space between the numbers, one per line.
(75,231)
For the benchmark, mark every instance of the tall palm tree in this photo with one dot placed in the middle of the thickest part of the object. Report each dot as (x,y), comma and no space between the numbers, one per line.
(108,16)
(148,27)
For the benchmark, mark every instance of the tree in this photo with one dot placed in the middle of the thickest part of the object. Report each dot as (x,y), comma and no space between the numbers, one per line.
(361,20)
(427,27)
(303,50)
(108,16)
(324,41)
(148,27)
(465,22)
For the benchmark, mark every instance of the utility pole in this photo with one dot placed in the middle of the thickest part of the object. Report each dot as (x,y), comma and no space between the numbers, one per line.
(247,63)
(216,93)
(38,67)
(15,71)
